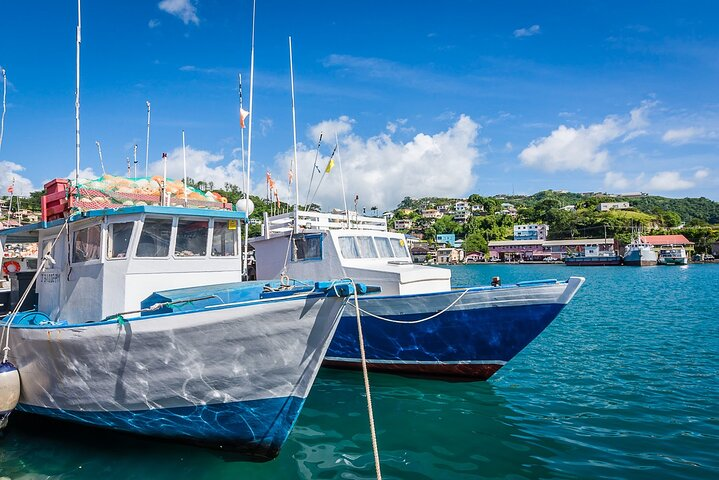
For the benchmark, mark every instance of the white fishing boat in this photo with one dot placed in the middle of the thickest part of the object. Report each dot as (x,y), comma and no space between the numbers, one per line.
(638,252)
(143,325)
(419,324)
(672,255)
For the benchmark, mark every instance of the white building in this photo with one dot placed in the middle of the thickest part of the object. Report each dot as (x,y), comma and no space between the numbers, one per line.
(531,232)
(461,206)
(402,224)
(605,207)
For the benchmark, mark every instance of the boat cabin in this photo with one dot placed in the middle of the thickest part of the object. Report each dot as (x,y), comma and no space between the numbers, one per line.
(107,261)
(325,245)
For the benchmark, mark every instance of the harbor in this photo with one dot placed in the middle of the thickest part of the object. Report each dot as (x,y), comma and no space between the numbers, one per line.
(447,243)
(616,403)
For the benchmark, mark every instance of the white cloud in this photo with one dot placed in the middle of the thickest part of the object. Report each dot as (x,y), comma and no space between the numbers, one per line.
(701,174)
(201,165)
(382,171)
(153,23)
(668,181)
(185,10)
(85,174)
(584,148)
(616,181)
(10,171)
(680,136)
(527,32)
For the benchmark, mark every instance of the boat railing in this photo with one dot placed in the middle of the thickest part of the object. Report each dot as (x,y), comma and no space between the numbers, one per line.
(298,221)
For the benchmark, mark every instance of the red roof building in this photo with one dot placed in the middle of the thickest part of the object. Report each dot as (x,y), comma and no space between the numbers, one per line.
(659,240)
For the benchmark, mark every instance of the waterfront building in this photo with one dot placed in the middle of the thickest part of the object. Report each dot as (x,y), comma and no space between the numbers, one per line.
(535,250)
(450,255)
(659,241)
(531,232)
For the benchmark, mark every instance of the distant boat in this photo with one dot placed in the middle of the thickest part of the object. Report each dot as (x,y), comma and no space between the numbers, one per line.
(593,257)
(672,255)
(638,252)
(419,324)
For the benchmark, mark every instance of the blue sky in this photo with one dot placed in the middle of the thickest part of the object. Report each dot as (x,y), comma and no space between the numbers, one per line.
(482,97)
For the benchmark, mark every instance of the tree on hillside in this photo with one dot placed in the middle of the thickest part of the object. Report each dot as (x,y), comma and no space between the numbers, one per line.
(475,242)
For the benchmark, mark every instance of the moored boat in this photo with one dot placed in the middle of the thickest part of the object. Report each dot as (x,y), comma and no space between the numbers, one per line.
(143,325)
(592,256)
(639,253)
(419,324)
(672,255)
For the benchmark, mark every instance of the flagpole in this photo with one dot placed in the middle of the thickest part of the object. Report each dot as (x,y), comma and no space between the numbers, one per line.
(184,166)
(164,179)
(147,144)
(312,177)
(252,114)
(245,178)
(77,100)
(342,179)
(294,134)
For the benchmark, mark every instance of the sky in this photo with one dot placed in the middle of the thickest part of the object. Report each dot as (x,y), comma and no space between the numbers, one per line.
(424,99)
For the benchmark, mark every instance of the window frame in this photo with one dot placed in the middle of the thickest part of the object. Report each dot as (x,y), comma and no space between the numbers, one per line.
(238,237)
(310,236)
(130,246)
(171,246)
(101,246)
(176,231)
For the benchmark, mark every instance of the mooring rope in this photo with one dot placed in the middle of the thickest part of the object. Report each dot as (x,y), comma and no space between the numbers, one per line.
(13,313)
(410,322)
(373,433)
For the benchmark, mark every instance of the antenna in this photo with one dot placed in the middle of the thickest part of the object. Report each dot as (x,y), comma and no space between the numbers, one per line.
(134,155)
(342,178)
(294,135)
(99,152)
(77,101)
(147,145)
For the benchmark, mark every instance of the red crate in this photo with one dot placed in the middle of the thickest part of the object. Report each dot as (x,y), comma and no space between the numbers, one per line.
(56,201)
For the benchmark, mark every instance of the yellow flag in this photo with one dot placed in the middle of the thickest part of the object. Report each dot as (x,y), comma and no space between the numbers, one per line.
(330,164)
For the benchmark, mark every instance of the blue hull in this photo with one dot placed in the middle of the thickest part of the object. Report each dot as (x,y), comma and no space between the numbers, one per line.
(255,429)
(470,344)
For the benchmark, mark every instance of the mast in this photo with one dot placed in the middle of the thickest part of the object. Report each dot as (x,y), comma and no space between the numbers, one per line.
(245,177)
(134,156)
(77,101)
(249,131)
(294,135)
(342,179)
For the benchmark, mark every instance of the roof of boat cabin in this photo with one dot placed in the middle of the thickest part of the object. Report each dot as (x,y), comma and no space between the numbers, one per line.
(23,233)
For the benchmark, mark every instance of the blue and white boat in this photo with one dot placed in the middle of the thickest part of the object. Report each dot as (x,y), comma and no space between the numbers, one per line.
(142,324)
(419,324)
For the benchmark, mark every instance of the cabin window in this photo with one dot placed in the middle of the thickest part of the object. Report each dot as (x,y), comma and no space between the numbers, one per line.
(118,239)
(86,244)
(307,247)
(224,239)
(155,238)
(366,247)
(383,246)
(348,247)
(191,238)
(399,247)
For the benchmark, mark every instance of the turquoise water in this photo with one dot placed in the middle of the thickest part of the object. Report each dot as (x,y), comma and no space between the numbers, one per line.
(622,385)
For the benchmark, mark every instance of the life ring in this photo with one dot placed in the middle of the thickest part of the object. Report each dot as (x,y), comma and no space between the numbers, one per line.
(10,267)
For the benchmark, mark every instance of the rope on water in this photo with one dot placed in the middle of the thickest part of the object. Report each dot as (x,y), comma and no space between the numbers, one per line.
(373,434)
(409,322)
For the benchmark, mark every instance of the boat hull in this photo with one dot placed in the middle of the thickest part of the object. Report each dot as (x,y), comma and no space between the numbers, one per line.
(228,377)
(640,258)
(600,261)
(673,261)
(470,341)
